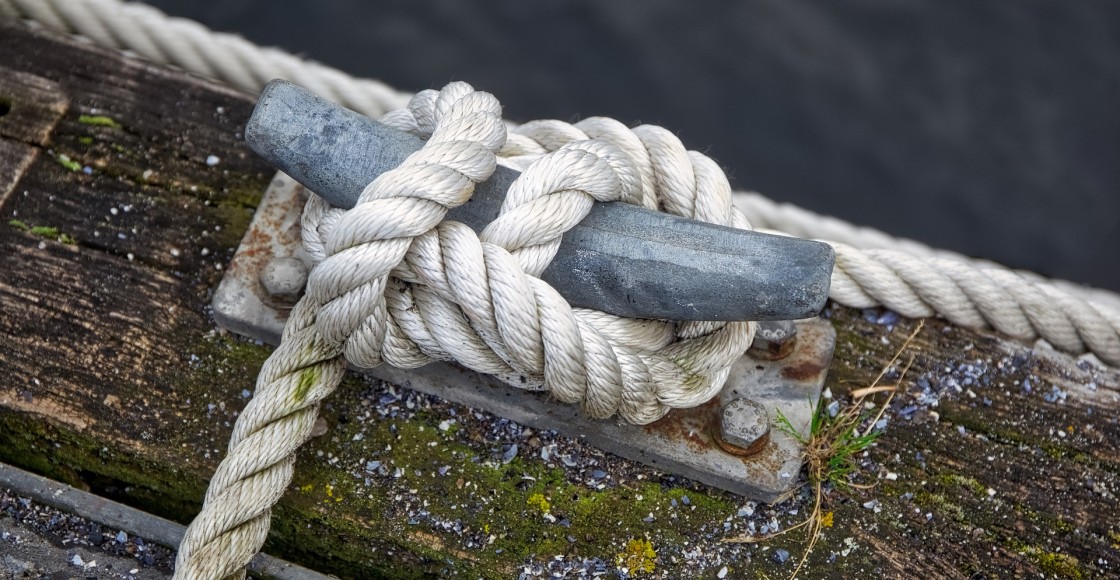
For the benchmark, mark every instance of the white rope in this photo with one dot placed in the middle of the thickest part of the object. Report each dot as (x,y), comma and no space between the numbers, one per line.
(395,284)
(186,44)
(915,281)
(789,219)
(1072,317)
(392,284)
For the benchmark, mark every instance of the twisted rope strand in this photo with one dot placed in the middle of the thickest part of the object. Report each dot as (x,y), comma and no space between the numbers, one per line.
(501,334)
(307,367)
(394,283)
(916,281)
(191,46)
(976,295)
(789,219)
(1091,312)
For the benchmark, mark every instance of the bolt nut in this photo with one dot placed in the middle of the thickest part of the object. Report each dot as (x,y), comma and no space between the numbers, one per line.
(774,340)
(284,278)
(744,427)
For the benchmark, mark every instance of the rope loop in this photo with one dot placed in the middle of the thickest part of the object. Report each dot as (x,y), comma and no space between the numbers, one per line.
(397,284)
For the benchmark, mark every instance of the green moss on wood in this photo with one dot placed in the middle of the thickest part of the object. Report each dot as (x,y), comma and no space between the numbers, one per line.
(638,557)
(941,504)
(86,462)
(330,518)
(99,121)
(1055,564)
(235,220)
(43,232)
(1062,565)
(131,469)
(964,481)
(500,505)
(65,161)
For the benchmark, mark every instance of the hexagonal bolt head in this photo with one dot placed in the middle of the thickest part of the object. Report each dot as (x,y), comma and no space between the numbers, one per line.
(774,340)
(284,278)
(744,427)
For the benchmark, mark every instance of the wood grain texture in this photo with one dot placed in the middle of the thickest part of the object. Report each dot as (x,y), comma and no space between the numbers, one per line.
(114,378)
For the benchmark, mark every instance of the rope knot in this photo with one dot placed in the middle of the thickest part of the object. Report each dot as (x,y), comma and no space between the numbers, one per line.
(361,246)
(396,283)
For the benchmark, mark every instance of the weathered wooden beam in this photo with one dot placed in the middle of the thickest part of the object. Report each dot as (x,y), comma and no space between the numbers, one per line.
(115,379)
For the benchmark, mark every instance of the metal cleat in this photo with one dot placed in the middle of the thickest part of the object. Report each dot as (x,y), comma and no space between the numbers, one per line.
(727,442)
(620,259)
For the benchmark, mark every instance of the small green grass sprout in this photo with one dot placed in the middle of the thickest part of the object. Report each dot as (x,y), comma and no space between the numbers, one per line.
(831,448)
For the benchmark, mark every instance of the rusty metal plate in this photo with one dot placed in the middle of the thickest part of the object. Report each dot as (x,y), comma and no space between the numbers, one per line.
(684,442)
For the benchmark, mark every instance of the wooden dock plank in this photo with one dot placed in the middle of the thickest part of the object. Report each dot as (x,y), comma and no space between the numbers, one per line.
(115,379)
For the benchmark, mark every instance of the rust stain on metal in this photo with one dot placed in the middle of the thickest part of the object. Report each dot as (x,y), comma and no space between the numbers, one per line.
(769,458)
(775,351)
(808,364)
(690,426)
(685,441)
(754,449)
(256,244)
(802,371)
(270,231)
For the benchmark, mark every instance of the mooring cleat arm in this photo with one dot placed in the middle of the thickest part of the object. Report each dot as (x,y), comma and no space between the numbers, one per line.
(620,259)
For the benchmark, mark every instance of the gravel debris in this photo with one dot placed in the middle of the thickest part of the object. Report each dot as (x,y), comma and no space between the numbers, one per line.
(496,442)
(37,541)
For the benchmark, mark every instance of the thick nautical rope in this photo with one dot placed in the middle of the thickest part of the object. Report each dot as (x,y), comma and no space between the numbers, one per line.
(915,281)
(394,283)
(307,366)
(873,268)
(184,43)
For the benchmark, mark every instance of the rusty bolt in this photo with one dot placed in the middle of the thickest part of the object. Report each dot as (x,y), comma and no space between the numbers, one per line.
(744,427)
(284,278)
(774,339)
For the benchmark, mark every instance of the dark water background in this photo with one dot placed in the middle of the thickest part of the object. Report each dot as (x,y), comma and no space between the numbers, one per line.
(991,128)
